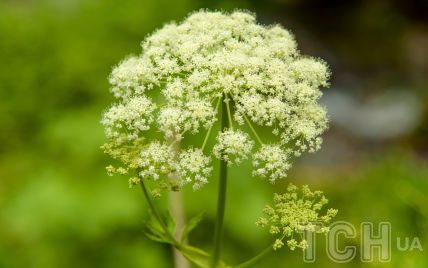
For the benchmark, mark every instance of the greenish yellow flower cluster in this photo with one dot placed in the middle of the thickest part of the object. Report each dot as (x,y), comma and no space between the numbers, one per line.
(295,212)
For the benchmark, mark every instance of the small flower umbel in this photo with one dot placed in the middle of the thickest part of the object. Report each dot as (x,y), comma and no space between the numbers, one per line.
(295,212)
(233,146)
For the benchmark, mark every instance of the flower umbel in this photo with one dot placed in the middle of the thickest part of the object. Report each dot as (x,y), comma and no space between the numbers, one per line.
(127,120)
(296,211)
(202,88)
(156,160)
(233,146)
(185,70)
(271,162)
(194,166)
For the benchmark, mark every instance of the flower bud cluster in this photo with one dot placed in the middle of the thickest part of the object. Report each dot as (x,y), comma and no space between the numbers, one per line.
(297,211)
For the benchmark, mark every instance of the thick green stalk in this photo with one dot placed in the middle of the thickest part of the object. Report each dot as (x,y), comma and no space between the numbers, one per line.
(176,207)
(221,203)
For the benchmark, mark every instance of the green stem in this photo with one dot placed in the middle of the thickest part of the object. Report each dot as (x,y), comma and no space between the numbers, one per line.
(250,125)
(255,259)
(157,215)
(209,130)
(221,203)
(229,114)
(253,130)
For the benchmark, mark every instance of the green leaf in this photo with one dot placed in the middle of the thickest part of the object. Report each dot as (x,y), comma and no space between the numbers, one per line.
(153,224)
(199,257)
(155,237)
(154,231)
(190,225)
(195,250)
(170,223)
(196,256)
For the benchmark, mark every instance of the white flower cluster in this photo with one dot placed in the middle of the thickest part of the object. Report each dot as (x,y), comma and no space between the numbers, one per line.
(155,160)
(233,146)
(271,162)
(130,118)
(194,167)
(126,79)
(296,211)
(190,117)
(187,69)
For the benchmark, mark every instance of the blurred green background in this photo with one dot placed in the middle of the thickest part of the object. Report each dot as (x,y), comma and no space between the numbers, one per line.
(58,208)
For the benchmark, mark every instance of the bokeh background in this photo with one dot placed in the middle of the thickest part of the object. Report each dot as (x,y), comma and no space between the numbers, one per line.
(58,208)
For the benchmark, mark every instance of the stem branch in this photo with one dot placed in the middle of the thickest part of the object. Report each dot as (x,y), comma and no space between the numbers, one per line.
(255,259)
(250,125)
(253,130)
(229,114)
(209,130)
